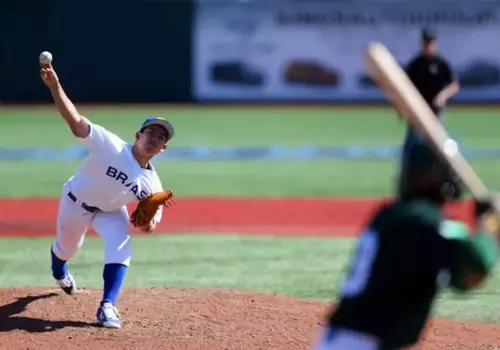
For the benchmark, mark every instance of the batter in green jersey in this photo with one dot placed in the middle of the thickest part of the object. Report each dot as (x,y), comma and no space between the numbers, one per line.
(404,256)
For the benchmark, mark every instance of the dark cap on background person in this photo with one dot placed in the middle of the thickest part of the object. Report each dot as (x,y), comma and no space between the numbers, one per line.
(429,34)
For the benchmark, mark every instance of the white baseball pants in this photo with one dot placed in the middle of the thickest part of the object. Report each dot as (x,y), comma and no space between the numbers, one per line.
(73,222)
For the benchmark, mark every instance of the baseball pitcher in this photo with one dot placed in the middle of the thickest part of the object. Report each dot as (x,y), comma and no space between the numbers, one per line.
(404,256)
(113,174)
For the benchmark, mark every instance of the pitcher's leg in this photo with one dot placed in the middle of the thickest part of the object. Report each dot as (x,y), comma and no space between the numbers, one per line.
(114,229)
(72,224)
(118,250)
(61,252)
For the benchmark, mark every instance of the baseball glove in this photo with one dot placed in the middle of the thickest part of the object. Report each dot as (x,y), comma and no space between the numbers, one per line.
(148,206)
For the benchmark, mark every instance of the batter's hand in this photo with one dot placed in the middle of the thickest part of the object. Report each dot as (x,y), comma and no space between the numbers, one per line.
(49,75)
(486,217)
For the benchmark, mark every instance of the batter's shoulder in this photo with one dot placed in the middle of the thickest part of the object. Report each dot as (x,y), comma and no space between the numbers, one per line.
(407,222)
(413,212)
(424,212)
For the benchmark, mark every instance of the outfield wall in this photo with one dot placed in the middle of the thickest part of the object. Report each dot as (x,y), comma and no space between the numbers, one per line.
(229,50)
(130,51)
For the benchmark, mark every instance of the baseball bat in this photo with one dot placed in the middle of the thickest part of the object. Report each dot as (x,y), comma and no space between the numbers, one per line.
(387,74)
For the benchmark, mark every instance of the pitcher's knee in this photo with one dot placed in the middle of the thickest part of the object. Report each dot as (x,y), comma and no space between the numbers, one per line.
(118,252)
(64,251)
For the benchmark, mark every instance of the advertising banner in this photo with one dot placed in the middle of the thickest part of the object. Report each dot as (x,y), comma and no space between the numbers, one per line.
(312,50)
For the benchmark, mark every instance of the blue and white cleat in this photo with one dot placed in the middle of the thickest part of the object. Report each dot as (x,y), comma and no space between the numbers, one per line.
(108,316)
(67,284)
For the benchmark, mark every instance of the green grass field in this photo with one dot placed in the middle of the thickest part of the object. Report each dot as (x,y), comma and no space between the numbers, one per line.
(218,127)
(302,267)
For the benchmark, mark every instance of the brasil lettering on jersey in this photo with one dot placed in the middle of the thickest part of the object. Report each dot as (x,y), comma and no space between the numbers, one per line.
(123,178)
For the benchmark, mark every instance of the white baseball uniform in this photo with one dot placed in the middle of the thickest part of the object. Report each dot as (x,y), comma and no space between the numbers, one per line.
(108,179)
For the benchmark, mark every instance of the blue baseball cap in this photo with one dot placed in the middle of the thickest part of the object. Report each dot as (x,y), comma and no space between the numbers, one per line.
(161,122)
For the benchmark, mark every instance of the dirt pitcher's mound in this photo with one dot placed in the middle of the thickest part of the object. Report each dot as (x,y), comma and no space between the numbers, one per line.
(174,318)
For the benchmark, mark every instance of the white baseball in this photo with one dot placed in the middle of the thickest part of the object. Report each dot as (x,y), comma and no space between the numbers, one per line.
(45,57)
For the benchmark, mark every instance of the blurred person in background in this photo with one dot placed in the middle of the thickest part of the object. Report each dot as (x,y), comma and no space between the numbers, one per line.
(434,78)
(436,81)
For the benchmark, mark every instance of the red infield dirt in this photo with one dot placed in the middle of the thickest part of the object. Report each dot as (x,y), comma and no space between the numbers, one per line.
(176,318)
(330,217)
